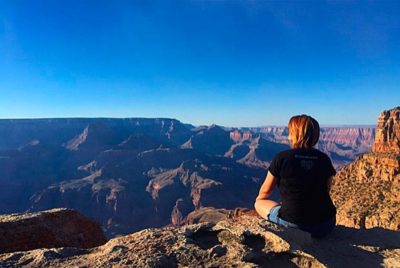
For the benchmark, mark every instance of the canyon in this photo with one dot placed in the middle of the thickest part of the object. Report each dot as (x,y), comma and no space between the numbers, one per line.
(135,173)
(199,193)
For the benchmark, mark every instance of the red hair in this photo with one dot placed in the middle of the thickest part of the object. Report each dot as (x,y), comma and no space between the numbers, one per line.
(303,131)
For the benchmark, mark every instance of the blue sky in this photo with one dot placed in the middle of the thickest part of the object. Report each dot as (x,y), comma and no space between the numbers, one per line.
(233,63)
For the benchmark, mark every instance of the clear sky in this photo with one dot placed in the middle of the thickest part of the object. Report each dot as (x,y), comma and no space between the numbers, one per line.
(232,63)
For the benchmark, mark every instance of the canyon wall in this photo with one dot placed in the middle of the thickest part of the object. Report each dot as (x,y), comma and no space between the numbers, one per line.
(367,192)
(133,173)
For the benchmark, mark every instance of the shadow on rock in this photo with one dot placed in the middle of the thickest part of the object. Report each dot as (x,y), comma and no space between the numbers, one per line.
(350,247)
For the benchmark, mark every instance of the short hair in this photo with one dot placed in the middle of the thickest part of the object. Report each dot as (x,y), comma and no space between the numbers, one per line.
(303,131)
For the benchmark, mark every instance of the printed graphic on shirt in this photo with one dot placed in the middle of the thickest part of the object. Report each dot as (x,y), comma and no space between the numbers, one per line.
(306,161)
(307,164)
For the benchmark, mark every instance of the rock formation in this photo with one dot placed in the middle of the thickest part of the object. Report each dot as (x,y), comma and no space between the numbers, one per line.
(213,140)
(253,150)
(239,136)
(134,173)
(246,241)
(207,214)
(214,215)
(367,192)
(387,138)
(48,229)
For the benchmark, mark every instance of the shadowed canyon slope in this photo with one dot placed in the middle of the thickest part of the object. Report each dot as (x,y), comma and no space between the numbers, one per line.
(130,174)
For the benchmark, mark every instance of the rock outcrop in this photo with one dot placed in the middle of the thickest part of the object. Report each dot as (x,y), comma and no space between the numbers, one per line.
(387,138)
(239,136)
(207,214)
(214,215)
(246,241)
(367,192)
(48,229)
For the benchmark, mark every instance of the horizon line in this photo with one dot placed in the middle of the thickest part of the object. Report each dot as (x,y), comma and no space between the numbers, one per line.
(195,125)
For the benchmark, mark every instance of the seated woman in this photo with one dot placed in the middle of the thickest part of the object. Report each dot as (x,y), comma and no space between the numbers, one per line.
(303,175)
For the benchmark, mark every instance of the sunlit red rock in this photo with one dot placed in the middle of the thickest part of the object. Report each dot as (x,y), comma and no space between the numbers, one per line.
(367,192)
(387,138)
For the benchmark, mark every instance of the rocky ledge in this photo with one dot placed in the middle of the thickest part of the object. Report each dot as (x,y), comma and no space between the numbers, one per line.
(245,241)
(48,229)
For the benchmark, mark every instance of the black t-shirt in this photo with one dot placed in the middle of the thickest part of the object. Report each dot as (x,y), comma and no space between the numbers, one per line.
(302,178)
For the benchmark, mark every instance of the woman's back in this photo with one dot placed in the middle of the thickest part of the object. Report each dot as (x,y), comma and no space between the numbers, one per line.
(302,178)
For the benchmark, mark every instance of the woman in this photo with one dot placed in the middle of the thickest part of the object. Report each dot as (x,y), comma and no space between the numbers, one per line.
(303,175)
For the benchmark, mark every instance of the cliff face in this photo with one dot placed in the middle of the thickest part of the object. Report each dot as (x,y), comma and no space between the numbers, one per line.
(246,241)
(48,229)
(387,138)
(367,192)
(16,133)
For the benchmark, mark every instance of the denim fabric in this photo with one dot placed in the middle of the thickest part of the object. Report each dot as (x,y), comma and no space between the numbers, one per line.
(316,230)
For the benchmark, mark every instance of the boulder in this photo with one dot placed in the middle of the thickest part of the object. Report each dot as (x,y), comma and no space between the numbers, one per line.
(48,229)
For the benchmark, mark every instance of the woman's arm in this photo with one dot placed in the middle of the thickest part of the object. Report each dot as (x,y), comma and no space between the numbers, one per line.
(267,187)
(263,204)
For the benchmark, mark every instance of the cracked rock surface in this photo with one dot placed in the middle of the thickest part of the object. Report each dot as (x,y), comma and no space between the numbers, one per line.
(246,241)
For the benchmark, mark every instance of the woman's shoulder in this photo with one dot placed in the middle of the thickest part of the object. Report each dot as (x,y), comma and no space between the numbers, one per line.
(294,152)
(320,153)
(285,153)
(323,156)
(302,152)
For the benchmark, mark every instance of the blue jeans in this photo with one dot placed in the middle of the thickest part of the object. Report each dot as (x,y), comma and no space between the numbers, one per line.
(316,230)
